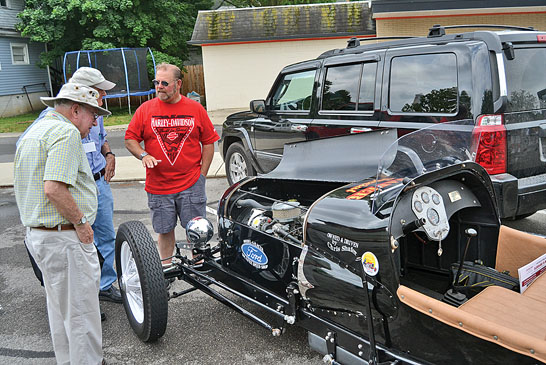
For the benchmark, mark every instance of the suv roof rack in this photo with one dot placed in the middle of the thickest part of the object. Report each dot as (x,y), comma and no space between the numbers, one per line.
(355,42)
(438,30)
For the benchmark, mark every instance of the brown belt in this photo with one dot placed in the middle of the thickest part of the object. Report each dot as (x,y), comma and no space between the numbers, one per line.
(60,227)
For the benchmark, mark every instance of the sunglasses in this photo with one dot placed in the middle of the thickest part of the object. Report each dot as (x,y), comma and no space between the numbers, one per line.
(157,82)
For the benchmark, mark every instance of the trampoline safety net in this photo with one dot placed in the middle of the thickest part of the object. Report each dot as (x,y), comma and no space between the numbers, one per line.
(125,66)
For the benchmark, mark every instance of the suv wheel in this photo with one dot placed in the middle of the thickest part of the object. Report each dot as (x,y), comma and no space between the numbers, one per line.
(238,165)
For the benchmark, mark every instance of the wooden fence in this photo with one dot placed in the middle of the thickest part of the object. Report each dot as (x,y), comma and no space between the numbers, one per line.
(193,80)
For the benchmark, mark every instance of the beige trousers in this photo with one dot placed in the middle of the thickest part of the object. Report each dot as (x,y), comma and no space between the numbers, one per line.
(71,274)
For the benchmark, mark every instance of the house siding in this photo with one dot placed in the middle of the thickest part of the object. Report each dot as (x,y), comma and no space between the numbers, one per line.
(244,49)
(13,99)
(238,73)
(8,15)
(14,77)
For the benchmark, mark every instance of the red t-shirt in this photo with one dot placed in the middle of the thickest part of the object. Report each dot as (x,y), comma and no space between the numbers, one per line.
(172,133)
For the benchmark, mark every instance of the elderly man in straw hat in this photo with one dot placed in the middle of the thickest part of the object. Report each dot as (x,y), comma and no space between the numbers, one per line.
(57,199)
(103,163)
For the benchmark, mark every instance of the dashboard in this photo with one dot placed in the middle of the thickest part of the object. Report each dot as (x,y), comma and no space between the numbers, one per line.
(428,208)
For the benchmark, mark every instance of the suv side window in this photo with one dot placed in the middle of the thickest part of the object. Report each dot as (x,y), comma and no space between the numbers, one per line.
(424,84)
(294,91)
(349,87)
(526,80)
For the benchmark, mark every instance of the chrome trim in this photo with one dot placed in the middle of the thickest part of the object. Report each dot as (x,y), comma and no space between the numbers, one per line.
(360,130)
(502,75)
(303,283)
(269,154)
(347,112)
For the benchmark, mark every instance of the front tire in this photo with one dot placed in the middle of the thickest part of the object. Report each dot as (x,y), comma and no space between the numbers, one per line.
(238,164)
(141,281)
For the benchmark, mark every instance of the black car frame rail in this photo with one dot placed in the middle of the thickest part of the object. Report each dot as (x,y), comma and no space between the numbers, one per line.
(374,259)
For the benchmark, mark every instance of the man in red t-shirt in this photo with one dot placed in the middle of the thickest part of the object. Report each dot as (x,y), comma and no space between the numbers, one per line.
(178,149)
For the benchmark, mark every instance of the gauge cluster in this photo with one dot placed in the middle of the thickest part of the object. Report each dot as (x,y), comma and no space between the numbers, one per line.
(427,203)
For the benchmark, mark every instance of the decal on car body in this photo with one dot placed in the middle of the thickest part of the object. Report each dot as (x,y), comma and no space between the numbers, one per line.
(369,188)
(340,244)
(370,263)
(254,254)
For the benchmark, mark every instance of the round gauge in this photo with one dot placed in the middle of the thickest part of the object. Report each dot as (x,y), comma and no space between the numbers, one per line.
(433,216)
(436,199)
(425,197)
(418,206)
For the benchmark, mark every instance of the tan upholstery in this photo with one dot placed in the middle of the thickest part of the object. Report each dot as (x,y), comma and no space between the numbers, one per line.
(537,290)
(516,249)
(509,308)
(496,314)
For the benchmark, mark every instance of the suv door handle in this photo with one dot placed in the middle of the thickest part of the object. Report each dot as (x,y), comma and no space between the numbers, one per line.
(298,128)
(355,130)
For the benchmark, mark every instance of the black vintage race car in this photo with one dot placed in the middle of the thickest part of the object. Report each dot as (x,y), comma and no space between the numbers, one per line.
(401,261)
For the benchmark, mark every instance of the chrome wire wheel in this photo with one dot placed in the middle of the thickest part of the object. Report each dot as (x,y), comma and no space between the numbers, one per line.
(141,281)
(130,283)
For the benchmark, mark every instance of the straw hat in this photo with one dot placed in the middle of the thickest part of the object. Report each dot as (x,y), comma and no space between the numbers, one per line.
(77,93)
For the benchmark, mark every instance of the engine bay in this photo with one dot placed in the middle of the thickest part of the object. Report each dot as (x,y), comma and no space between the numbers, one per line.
(276,208)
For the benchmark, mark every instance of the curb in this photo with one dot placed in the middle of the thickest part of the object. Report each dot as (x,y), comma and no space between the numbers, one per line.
(128,168)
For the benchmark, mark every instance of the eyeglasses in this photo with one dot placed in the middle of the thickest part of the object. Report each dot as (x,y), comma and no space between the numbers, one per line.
(157,82)
(95,115)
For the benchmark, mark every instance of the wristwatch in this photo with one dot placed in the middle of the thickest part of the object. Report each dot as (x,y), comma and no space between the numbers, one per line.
(143,154)
(109,153)
(82,221)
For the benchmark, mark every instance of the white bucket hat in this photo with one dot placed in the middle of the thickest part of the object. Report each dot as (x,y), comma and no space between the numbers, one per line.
(77,93)
(91,77)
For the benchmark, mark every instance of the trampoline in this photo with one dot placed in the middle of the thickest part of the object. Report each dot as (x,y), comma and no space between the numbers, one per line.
(127,67)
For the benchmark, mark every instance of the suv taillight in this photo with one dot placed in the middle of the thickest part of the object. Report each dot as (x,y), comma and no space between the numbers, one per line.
(491,146)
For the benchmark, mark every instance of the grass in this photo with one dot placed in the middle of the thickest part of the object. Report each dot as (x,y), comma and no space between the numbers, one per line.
(20,122)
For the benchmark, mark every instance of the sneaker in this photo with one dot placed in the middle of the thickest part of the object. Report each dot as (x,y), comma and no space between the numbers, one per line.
(111,294)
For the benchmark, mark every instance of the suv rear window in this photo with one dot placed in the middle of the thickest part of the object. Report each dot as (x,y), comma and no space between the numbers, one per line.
(424,84)
(294,91)
(526,79)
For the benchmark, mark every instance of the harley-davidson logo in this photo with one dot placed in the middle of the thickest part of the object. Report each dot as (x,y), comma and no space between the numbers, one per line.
(254,254)
(172,131)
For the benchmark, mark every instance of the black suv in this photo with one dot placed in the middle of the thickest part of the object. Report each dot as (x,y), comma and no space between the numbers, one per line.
(496,79)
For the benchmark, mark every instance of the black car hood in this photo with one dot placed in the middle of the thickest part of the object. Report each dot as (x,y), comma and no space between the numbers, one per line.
(338,159)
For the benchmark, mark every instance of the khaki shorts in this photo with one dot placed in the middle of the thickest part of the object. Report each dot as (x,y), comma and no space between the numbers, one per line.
(185,205)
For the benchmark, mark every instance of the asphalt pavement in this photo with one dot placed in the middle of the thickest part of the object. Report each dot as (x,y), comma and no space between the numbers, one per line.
(200,330)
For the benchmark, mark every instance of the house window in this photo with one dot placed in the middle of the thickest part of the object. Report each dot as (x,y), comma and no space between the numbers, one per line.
(19,53)
(4,3)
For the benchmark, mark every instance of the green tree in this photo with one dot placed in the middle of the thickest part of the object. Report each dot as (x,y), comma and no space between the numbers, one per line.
(67,25)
